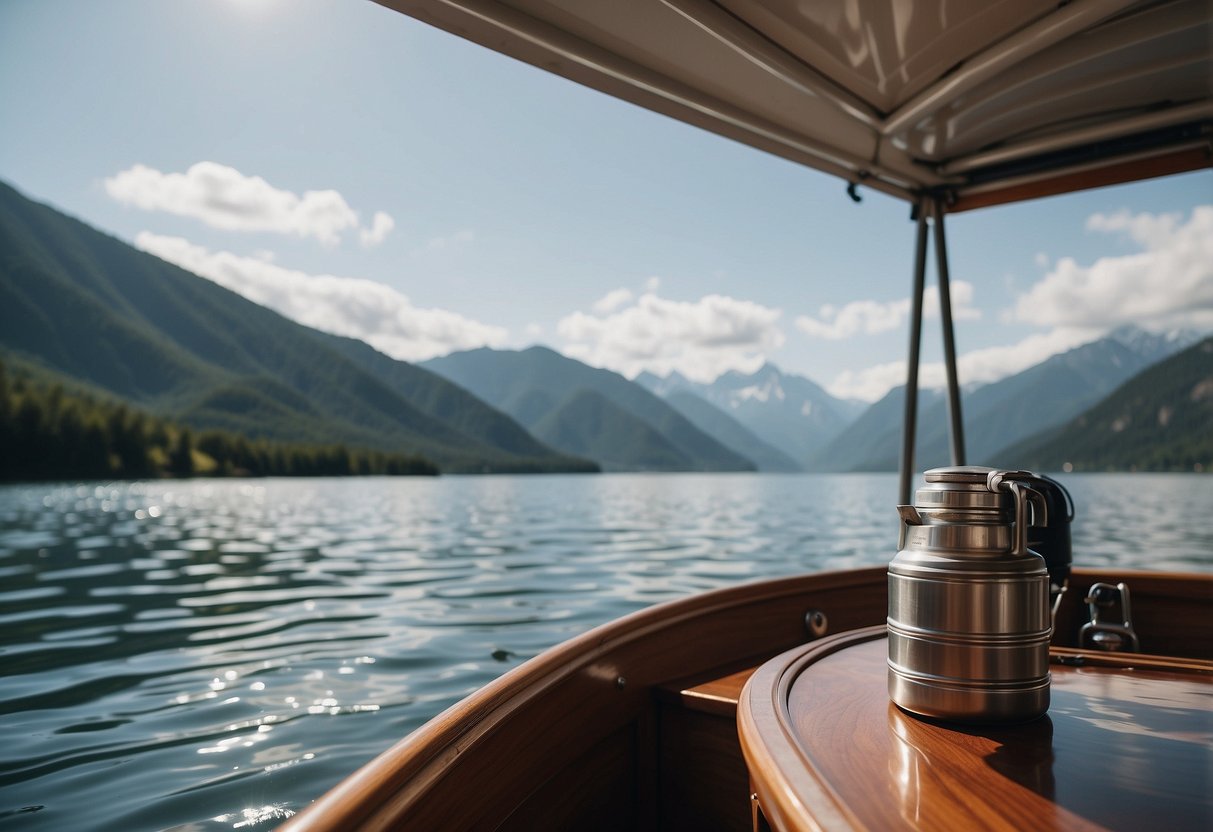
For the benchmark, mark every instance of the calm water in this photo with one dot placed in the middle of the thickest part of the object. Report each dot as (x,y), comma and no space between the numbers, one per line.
(214,655)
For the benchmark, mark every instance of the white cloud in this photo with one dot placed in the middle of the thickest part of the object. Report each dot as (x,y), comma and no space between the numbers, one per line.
(381,226)
(1150,230)
(871,383)
(870,317)
(223,197)
(701,339)
(354,307)
(612,300)
(652,285)
(993,363)
(976,367)
(866,317)
(1169,284)
(1166,285)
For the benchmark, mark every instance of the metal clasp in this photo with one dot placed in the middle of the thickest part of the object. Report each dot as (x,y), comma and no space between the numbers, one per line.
(1104,635)
(1056,593)
(909,517)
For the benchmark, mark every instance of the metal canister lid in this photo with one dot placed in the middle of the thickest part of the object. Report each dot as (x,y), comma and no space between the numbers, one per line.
(960,487)
(967,474)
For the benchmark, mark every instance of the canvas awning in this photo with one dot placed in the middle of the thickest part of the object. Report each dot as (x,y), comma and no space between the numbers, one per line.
(980,103)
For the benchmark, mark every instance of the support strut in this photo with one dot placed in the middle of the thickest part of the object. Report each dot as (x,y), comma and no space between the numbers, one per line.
(934,207)
(949,340)
(910,422)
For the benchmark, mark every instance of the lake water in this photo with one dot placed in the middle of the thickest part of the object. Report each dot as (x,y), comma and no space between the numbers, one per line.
(216,654)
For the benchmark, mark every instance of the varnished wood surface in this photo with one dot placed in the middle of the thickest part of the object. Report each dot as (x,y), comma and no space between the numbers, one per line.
(703,783)
(716,696)
(1125,747)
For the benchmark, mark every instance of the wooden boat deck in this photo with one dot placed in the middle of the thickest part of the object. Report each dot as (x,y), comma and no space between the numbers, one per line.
(1127,744)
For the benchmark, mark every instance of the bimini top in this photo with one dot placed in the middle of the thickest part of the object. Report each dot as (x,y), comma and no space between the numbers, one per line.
(979,103)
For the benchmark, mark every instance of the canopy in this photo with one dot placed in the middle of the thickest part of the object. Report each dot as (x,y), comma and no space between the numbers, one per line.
(971,104)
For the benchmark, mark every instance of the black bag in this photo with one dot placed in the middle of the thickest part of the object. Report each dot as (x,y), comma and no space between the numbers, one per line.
(1052,542)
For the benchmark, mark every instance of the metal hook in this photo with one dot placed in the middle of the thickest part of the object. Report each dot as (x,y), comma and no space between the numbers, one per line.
(853,187)
(1105,635)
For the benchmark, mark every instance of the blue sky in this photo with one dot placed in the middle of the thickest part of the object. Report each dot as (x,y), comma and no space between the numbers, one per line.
(515,207)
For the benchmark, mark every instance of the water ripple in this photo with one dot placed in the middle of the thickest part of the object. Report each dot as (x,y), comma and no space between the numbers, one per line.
(214,655)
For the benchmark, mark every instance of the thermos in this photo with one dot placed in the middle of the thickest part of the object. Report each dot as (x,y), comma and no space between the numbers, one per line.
(969,617)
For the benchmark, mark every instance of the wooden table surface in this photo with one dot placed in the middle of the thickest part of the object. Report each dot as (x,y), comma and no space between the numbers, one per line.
(1121,748)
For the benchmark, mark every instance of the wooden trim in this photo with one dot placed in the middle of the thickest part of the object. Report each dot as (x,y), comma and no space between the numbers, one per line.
(763,711)
(716,696)
(1073,657)
(1116,173)
(1195,586)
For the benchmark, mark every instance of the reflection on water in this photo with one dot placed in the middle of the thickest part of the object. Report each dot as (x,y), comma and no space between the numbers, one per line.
(217,654)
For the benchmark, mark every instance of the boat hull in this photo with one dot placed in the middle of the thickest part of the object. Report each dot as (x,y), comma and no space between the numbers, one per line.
(603,732)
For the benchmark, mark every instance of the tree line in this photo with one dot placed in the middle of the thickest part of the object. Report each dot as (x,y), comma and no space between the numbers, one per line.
(48,433)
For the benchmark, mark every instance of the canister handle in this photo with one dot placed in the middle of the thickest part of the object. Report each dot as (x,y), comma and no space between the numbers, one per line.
(1025,496)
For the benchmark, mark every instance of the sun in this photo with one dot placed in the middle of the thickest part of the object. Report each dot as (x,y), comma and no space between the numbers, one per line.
(253,6)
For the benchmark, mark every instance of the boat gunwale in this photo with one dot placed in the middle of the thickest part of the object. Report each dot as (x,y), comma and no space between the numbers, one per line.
(785,806)
(406,770)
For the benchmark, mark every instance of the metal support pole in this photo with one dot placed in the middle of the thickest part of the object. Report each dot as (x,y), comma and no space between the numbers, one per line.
(949,341)
(909,424)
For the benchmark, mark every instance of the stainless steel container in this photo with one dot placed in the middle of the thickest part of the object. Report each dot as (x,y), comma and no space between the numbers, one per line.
(969,619)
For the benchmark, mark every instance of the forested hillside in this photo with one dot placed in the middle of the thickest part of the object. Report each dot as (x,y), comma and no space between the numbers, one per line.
(1160,420)
(48,432)
(100,313)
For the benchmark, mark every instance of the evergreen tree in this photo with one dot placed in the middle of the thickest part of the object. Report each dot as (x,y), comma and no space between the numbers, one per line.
(30,436)
(7,422)
(96,458)
(181,460)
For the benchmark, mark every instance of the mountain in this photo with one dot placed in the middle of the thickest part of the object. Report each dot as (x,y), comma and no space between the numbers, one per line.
(788,412)
(446,401)
(729,432)
(1055,390)
(534,384)
(872,440)
(1159,420)
(589,424)
(97,311)
(1005,412)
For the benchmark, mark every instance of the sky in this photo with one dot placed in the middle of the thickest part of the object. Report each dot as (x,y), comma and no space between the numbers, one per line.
(363,173)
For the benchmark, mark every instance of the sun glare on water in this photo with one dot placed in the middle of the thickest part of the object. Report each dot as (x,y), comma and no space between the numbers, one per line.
(255,815)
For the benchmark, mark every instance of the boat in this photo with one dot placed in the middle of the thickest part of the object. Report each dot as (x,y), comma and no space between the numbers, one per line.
(763,705)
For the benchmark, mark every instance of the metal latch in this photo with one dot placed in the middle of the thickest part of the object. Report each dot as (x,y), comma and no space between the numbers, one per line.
(1104,635)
